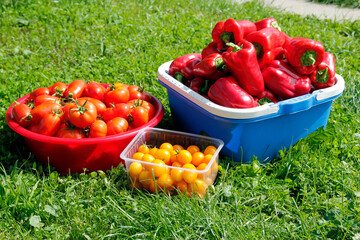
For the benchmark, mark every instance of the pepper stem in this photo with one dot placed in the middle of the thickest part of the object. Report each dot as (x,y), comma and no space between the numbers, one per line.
(227,37)
(220,65)
(235,48)
(275,25)
(322,76)
(308,58)
(264,101)
(204,88)
(180,77)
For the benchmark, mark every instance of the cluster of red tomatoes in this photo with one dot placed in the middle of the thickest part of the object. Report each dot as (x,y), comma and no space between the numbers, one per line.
(81,109)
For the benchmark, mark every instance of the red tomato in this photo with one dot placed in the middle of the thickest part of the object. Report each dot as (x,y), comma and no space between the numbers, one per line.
(98,129)
(95,90)
(66,131)
(136,92)
(66,109)
(118,95)
(40,111)
(117,125)
(119,110)
(82,113)
(38,92)
(138,116)
(45,98)
(21,113)
(75,89)
(48,125)
(100,106)
(58,89)
(145,104)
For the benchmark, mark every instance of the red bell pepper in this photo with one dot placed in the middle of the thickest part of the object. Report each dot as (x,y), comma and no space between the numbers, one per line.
(227,92)
(209,49)
(182,67)
(269,56)
(266,39)
(211,67)
(267,22)
(324,74)
(304,54)
(241,60)
(200,85)
(284,81)
(231,31)
(266,97)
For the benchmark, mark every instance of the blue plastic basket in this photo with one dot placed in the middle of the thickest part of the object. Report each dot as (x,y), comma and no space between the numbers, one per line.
(261,131)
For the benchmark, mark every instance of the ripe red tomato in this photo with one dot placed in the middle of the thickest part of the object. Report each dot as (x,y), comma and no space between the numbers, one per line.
(38,92)
(21,113)
(119,110)
(100,106)
(117,125)
(58,89)
(40,111)
(145,104)
(138,116)
(137,92)
(75,89)
(45,98)
(82,113)
(95,90)
(118,95)
(98,129)
(48,124)
(69,131)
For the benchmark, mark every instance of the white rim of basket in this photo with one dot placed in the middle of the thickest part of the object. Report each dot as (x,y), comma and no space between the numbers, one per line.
(235,113)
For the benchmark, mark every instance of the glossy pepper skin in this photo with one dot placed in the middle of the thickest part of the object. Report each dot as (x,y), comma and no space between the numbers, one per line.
(284,81)
(324,74)
(231,31)
(304,54)
(241,60)
(182,67)
(269,56)
(212,67)
(226,92)
(267,22)
(266,39)
(209,49)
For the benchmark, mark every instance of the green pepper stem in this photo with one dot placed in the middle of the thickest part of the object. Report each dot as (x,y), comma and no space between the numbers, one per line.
(275,25)
(259,50)
(322,76)
(308,58)
(264,101)
(227,37)
(205,88)
(220,65)
(235,48)
(180,77)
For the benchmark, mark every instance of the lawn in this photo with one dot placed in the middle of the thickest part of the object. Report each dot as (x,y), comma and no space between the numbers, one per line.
(312,191)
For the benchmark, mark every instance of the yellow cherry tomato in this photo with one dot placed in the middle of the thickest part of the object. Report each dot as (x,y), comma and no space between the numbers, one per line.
(166,182)
(202,166)
(164,155)
(181,186)
(177,174)
(160,167)
(135,169)
(197,158)
(210,150)
(144,148)
(184,157)
(177,147)
(207,158)
(198,186)
(193,149)
(136,184)
(137,156)
(166,146)
(176,164)
(153,151)
(189,176)
(145,178)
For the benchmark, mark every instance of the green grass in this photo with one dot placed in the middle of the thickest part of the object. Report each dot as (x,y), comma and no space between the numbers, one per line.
(311,192)
(341,3)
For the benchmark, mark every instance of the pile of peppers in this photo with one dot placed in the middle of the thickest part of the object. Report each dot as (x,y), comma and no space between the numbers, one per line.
(249,64)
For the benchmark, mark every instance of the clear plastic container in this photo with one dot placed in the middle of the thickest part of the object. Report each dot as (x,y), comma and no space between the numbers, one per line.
(155,173)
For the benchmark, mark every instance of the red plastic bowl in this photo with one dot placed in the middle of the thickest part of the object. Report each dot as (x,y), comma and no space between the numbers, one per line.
(73,155)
